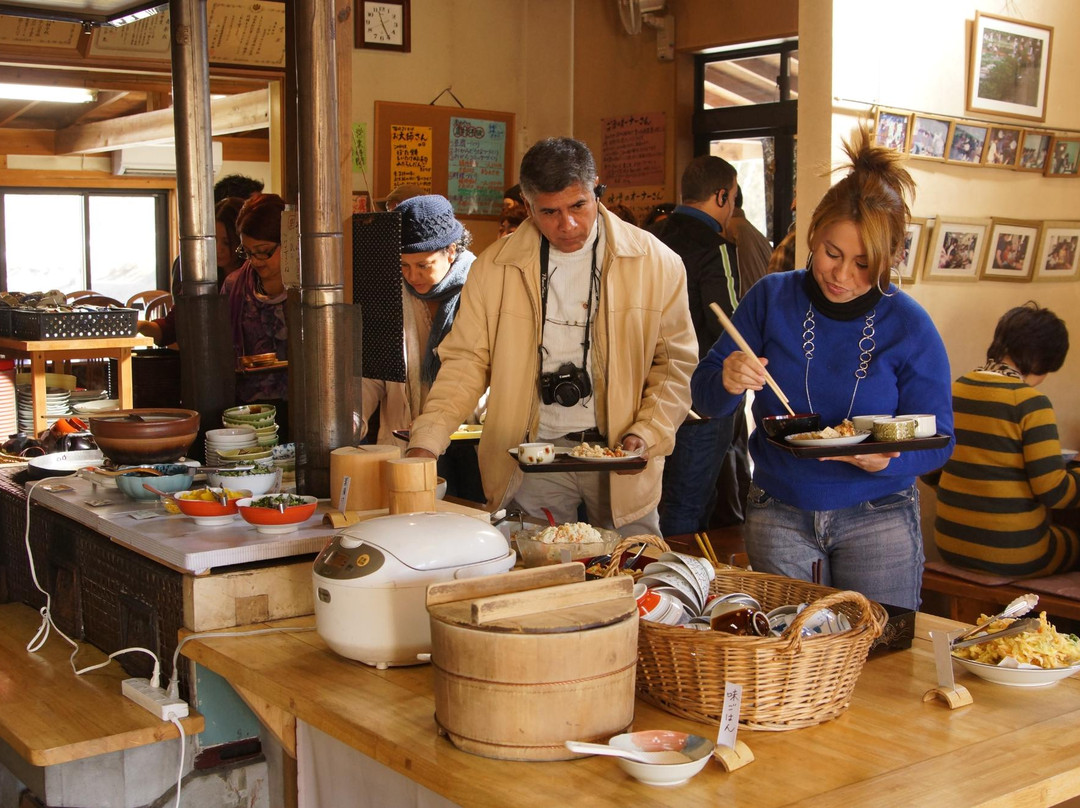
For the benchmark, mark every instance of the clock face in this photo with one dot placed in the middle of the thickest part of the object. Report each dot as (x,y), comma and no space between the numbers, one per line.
(384,23)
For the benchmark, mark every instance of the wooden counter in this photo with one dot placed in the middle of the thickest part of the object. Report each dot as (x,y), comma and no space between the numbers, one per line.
(1012,747)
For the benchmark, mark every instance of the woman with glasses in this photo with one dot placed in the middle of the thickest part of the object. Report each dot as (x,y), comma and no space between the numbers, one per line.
(256,294)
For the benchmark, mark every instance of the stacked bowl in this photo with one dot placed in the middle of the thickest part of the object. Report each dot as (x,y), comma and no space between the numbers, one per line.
(226,440)
(260,417)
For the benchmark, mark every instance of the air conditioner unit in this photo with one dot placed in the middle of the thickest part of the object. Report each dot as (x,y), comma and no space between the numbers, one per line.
(154,160)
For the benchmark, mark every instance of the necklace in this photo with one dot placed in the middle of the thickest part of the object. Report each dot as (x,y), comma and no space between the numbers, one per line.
(866,352)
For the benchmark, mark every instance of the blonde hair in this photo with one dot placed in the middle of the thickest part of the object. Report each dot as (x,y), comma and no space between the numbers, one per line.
(872,196)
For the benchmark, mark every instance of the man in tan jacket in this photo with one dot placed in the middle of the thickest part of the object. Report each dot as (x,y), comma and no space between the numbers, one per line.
(578,323)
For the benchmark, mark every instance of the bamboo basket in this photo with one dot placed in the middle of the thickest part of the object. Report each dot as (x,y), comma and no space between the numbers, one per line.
(788,682)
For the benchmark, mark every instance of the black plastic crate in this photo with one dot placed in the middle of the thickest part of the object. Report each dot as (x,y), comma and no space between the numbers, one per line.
(5,321)
(28,325)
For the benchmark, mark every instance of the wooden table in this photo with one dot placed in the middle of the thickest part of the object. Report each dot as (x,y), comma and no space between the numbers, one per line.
(1012,747)
(41,351)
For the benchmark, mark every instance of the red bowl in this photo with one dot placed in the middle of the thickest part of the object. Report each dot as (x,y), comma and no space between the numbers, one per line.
(190,505)
(274,520)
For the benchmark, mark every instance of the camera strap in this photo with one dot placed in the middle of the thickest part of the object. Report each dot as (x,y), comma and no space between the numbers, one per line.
(545,248)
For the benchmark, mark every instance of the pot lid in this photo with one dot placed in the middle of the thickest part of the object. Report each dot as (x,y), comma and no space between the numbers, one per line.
(429,541)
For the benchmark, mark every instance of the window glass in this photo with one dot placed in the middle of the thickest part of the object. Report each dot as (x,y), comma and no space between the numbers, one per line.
(749,80)
(44,242)
(748,157)
(123,248)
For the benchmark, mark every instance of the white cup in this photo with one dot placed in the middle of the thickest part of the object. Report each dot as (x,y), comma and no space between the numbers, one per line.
(865,423)
(536,453)
(925,425)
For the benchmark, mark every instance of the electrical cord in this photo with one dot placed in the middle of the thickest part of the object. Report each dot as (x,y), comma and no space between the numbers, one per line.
(180,773)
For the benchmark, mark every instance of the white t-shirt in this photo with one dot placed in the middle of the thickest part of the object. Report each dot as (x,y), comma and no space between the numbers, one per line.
(564,330)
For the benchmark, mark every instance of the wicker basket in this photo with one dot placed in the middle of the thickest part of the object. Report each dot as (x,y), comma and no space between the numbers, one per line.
(788,682)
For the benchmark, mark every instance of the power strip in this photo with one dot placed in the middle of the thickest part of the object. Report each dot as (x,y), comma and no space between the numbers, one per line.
(154,699)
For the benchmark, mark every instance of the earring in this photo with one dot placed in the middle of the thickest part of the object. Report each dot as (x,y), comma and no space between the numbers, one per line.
(810,261)
(888,283)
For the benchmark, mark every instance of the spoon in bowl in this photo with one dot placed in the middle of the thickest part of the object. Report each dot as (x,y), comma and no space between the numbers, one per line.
(665,757)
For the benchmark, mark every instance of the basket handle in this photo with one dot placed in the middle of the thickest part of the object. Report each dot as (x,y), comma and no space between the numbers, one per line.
(866,616)
(628,542)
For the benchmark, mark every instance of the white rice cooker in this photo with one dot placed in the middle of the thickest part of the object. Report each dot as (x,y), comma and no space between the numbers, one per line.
(371,580)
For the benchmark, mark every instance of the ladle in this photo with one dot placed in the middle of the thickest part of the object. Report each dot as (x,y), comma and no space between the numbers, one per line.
(666,757)
(745,348)
(157,491)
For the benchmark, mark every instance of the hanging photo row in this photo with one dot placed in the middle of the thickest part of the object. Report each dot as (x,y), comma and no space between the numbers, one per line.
(953,140)
(954,248)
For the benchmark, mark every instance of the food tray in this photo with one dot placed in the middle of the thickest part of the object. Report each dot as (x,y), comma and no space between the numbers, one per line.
(564,462)
(30,324)
(868,446)
(466,433)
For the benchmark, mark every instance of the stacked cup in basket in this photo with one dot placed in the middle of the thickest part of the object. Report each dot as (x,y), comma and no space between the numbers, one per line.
(674,588)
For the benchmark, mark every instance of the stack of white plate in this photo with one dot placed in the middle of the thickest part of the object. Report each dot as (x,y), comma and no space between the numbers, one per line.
(57,404)
(220,440)
(95,406)
(8,409)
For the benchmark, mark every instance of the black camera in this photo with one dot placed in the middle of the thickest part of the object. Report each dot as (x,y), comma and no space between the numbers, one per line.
(566,386)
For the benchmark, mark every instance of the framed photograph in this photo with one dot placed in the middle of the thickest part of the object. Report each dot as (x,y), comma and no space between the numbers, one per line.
(967,141)
(955,252)
(1010,252)
(1002,146)
(929,137)
(1064,154)
(361,202)
(1009,68)
(914,251)
(1034,150)
(891,128)
(1057,257)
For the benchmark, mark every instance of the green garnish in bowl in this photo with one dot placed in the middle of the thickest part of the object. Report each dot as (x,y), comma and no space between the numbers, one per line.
(277,500)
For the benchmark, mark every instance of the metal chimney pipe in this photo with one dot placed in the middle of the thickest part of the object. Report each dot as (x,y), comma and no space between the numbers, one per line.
(207,374)
(324,378)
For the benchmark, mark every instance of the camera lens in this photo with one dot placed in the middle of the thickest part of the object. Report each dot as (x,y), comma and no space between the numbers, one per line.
(567,394)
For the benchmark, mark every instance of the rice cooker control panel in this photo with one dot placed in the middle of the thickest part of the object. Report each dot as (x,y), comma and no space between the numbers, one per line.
(342,563)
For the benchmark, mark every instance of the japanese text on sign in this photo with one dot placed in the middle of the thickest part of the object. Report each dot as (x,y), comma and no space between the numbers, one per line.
(633,150)
(476,166)
(410,156)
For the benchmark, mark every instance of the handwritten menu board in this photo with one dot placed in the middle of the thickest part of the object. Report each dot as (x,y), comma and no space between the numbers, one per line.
(239,32)
(410,156)
(632,150)
(468,155)
(476,166)
(41,33)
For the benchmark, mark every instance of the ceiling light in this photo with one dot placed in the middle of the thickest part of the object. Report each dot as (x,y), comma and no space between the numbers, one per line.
(135,16)
(45,92)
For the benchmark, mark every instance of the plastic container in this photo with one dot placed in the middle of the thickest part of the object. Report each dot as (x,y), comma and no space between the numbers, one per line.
(536,553)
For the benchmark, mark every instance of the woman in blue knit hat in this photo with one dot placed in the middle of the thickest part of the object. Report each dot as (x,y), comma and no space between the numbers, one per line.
(435,261)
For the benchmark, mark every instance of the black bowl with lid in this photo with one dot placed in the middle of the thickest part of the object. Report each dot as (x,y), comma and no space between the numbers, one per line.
(779,426)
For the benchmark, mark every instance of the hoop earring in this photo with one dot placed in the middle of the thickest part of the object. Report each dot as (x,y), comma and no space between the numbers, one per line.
(810,261)
(899,283)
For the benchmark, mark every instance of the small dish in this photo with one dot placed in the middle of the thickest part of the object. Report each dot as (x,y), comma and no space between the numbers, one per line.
(847,440)
(698,750)
(269,518)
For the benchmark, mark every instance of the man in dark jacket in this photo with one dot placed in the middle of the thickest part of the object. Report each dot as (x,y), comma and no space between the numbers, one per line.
(694,230)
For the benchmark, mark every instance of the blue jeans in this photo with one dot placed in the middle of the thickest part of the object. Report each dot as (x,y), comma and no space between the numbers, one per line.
(689,487)
(874,547)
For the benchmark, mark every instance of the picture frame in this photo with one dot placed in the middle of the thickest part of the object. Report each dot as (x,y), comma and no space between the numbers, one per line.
(913,253)
(956,250)
(382,25)
(1064,157)
(1034,149)
(361,202)
(1057,258)
(929,137)
(1002,146)
(1010,250)
(967,142)
(1009,69)
(891,128)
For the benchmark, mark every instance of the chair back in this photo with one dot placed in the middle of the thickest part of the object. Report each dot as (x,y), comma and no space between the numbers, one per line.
(98,300)
(155,303)
(76,295)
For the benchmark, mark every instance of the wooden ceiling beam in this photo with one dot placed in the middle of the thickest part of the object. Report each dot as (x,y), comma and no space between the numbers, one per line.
(235,113)
(27,141)
(117,81)
(18,112)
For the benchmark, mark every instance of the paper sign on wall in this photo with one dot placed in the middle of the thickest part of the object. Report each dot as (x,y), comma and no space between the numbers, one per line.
(359,147)
(410,156)
(633,150)
(476,166)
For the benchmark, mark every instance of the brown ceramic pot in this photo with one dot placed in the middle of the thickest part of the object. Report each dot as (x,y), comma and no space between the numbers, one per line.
(145,436)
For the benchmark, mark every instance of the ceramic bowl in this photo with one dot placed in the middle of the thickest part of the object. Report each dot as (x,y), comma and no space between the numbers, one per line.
(273,519)
(669,609)
(702,568)
(698,749)
(778,426)
(683,589)
(257,481)
(144,436)
(209,512)
(684,572)
(246,454)
(440,488)
(251,412)
(174,477)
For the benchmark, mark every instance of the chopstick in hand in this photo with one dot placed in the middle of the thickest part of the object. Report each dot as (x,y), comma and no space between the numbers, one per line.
(745,348)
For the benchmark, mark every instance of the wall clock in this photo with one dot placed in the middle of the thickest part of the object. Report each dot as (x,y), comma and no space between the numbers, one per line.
(383,24)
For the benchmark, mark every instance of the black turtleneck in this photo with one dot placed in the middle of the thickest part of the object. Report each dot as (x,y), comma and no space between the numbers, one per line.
(840,311)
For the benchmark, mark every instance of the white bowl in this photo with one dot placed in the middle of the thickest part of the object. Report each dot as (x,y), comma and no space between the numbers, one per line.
(684,572)
(663,774)
(686,591)
(1017,677)
(255,481)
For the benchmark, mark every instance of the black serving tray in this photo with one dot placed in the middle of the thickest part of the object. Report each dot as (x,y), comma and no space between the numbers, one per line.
(868,446)
(564,462)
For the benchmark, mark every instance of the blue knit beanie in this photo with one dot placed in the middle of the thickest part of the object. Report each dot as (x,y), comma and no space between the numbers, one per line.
(428,224)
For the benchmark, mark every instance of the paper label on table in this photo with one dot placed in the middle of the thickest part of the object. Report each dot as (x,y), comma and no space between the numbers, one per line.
(729,718)
(98,503)
(144,515)
(343,497)
(943,659)
(58,488)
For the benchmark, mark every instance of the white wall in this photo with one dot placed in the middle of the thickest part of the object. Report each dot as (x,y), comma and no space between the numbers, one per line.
(916,58)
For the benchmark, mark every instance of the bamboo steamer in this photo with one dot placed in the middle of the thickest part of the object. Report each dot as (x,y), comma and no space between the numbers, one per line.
(526,660)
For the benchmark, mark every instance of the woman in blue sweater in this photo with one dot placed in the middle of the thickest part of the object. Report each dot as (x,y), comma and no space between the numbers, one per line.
(840,340)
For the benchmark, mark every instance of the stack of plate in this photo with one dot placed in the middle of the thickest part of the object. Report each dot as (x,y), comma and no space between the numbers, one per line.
(95,406)
(224,440)
(57,404)
(262,417)
(8,410)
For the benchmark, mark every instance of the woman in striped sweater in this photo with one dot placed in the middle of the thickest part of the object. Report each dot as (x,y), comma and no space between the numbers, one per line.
(1006,475)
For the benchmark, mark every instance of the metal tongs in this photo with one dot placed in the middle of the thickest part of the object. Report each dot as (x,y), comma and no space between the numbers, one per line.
(1022,605)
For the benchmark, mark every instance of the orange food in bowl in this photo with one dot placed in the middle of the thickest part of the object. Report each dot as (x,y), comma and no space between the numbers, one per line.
(206,501)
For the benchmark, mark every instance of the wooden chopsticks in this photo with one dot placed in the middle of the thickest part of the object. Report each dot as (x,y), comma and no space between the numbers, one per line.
(745,348)
(707,550)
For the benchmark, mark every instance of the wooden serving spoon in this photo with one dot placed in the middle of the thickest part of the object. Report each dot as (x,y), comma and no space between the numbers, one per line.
(121,472)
